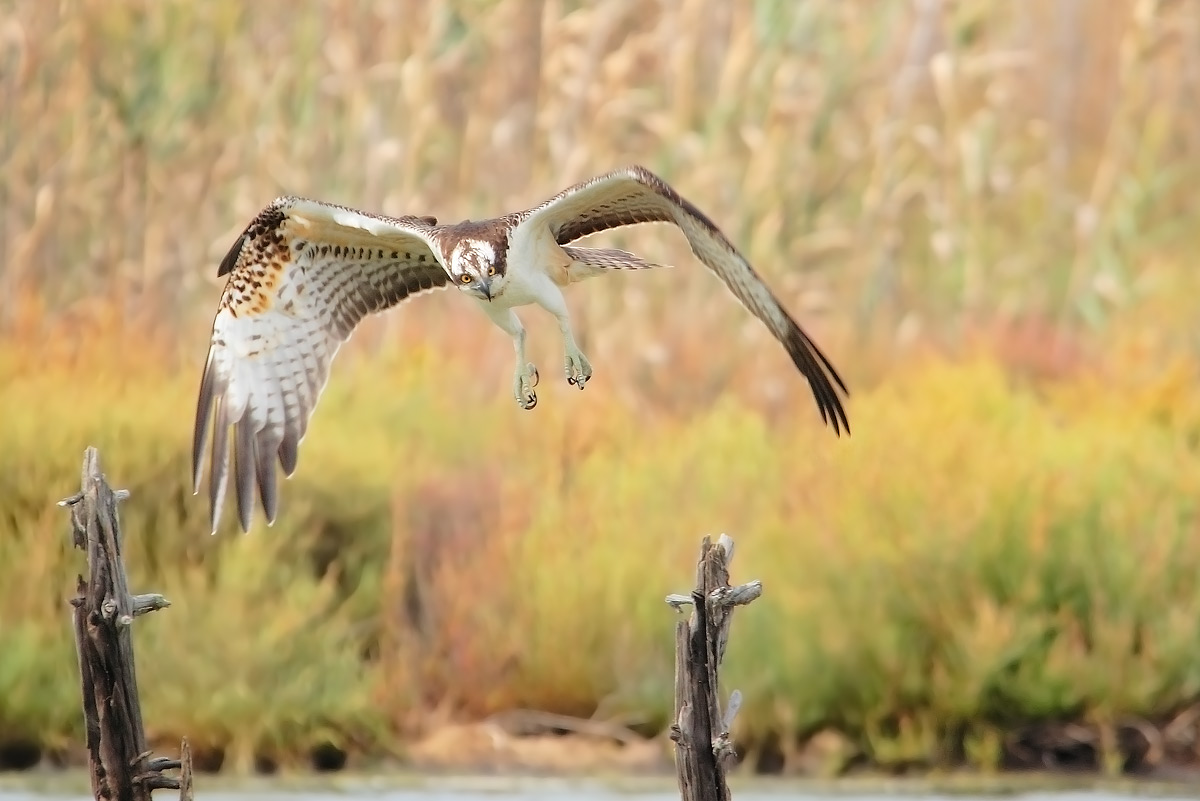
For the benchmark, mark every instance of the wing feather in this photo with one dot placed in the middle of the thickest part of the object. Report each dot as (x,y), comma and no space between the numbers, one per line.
(597,261)
(635,195)
(302,276)
(244,472)
(220,456)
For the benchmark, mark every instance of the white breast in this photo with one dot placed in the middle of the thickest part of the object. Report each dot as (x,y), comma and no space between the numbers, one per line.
(537,267)
(522,287)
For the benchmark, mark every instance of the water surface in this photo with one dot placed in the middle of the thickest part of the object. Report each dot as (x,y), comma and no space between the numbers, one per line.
(74,787)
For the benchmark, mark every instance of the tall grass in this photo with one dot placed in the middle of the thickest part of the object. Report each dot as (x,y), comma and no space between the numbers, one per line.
(919,162)
(980,208)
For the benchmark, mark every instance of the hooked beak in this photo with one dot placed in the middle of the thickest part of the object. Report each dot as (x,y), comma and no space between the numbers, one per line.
(485,284)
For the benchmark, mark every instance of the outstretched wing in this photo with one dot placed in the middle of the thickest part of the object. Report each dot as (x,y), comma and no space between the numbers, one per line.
(301,277)
(635,195)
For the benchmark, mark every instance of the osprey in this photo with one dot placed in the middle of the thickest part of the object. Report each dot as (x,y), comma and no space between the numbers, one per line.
(304,273)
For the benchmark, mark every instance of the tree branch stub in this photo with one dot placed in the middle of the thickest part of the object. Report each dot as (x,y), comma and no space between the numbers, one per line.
(103,612)
(703,748)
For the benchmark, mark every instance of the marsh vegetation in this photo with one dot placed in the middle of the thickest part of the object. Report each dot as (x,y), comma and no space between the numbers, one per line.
(984,210)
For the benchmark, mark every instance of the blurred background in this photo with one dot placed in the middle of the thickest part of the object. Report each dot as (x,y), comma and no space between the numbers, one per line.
(983,210)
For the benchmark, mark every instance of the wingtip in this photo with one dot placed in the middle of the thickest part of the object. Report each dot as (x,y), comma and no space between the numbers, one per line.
(822,376)
(231,257)
(841,428)
(835,416)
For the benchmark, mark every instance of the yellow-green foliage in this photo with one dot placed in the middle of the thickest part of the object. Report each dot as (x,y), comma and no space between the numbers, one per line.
(978,555)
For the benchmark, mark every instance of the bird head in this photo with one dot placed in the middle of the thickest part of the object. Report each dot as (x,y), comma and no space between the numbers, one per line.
(477,267)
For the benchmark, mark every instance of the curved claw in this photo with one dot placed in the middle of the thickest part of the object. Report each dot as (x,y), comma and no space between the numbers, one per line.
(524,380)
(578,368)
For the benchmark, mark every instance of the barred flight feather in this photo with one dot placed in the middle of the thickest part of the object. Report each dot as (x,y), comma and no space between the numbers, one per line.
(301,278)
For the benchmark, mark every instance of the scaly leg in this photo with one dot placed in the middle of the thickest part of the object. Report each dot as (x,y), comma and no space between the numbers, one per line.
(578,368)
(525,377)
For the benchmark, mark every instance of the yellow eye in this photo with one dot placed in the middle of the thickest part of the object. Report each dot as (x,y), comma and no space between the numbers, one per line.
(466,279)
(491,270)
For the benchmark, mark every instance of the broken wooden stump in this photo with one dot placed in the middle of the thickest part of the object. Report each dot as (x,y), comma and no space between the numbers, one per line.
(120,764)
(703,750)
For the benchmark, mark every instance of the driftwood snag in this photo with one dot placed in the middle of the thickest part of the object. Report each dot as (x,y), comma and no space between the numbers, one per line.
(120,764)
(703,750)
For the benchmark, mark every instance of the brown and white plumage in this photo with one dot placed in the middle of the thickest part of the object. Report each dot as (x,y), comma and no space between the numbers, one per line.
(304,274)
(301,277)
(635,195)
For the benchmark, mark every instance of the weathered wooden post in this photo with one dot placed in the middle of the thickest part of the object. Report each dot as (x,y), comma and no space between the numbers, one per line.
(703,749)
(120,764)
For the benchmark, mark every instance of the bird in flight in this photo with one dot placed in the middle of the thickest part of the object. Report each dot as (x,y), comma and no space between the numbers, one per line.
(304,273)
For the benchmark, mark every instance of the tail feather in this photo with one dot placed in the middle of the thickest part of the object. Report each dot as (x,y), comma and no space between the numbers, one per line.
(590,262)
